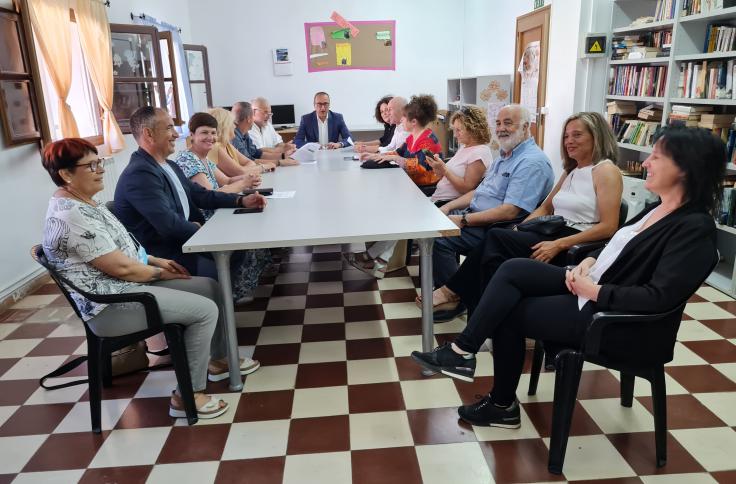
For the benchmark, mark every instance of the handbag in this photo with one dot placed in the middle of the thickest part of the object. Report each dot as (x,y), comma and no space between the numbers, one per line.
(544,225)
(374,165)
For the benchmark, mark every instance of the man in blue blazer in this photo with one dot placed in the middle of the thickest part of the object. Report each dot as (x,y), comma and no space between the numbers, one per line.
(323,126)
(157,203)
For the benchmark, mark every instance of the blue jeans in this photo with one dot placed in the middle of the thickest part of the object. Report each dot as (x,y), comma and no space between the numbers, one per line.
(447,249)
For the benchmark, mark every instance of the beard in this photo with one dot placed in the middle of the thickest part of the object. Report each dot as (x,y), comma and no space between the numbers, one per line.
(509,143)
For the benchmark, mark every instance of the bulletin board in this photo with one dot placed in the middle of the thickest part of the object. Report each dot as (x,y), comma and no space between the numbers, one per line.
(332,48)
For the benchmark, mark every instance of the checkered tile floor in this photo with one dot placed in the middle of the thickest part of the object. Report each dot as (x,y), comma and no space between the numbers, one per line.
(338,400)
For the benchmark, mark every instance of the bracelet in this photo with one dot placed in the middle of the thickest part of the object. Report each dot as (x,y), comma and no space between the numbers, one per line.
(156,274)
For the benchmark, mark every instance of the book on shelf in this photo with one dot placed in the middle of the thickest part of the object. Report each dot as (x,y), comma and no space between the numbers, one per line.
(690,109)
(650,112)
(664,10)
(637,80)
(719,38)
(716,120)
(637,132)
(642,45)
(707,80)
(621,107)
(694,7)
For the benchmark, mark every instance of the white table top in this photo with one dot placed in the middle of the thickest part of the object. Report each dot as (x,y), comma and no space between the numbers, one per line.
(335,202)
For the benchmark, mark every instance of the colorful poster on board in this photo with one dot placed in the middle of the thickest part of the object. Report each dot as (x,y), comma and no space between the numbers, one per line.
(332,46)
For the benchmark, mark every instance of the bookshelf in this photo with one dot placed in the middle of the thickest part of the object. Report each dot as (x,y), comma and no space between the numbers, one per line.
(687,45)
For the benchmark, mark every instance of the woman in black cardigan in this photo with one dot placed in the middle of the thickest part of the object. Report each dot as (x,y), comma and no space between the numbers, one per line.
(653,263)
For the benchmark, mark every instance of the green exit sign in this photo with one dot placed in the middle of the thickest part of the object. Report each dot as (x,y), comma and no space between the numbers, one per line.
(538,4)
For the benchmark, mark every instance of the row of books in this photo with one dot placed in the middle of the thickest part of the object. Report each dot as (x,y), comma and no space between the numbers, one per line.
(637,132)
(664,10)
(637,80)
(692,7)
(719,38)
(706,80)
(647,44)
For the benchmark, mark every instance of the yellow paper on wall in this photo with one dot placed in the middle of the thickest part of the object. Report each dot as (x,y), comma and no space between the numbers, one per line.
(344,54)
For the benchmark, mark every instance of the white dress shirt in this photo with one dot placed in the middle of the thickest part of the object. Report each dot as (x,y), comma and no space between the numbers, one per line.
(324,136)
(398,139)
(265,137)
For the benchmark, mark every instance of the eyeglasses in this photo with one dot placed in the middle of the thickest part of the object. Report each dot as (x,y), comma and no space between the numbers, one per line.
(268,114)
(324,105)
(96,166)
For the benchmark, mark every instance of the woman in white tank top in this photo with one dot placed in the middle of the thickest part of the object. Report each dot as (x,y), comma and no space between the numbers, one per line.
(587,195)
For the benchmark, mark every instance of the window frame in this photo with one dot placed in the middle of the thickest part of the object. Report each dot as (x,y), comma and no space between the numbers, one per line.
(169,39)
(30,77)
(206,66)
(158,80)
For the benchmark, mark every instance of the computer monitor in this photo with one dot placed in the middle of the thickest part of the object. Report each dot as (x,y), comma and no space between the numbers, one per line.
(283,115)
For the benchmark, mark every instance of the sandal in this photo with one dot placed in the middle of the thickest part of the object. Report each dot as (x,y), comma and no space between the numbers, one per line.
(215,372)
(362,262)
(444,306)
(213,408)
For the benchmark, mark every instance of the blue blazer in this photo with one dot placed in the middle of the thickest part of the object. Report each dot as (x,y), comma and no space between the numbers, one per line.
(309,129)
(147,204)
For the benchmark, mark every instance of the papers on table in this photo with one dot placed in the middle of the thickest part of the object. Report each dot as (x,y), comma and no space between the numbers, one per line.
(288,194)
(307,153)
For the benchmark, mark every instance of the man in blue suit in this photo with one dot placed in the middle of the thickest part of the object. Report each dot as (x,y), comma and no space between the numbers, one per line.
(158,204)
(323,126)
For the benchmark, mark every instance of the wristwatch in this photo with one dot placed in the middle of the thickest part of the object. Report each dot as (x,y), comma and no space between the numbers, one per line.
(464,220)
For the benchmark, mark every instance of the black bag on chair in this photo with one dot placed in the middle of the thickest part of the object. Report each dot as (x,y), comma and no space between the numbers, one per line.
(544,225)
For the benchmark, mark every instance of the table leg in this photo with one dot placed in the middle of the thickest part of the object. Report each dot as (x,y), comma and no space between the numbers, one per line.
(222,261)
(425,272)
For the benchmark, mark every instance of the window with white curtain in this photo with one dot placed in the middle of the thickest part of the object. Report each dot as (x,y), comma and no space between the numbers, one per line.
(82,98)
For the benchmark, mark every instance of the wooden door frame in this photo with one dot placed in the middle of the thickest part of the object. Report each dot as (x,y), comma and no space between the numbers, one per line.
(523,23)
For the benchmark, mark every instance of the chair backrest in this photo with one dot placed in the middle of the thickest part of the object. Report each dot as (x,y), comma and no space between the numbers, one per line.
(110,206)
(39,256)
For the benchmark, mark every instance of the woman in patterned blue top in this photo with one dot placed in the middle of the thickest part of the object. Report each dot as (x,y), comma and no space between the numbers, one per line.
(87,245)
(197,167)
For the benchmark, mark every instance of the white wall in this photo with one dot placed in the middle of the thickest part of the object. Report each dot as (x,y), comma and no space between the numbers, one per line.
(428,51)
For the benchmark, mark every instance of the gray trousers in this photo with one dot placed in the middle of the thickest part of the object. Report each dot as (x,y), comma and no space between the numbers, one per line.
(193,303)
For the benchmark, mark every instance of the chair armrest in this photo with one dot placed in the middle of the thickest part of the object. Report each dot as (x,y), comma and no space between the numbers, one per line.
(578,252)
(603,319)
(150,306)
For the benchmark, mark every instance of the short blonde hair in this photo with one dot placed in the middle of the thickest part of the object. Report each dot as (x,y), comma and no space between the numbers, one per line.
(225,125)
(604,142)
(475,121)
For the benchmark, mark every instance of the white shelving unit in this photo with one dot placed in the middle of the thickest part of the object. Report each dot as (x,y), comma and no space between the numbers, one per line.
(688,38)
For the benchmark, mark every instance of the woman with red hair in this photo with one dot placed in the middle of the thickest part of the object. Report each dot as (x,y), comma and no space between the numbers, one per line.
(87,245)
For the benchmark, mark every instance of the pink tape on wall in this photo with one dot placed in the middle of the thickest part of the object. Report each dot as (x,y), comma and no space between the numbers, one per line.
(340,20)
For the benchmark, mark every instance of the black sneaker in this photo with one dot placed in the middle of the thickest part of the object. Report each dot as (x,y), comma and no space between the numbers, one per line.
(444,360)
(485,414)
(449,314)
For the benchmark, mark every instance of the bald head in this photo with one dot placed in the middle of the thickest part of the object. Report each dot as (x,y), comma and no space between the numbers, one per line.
(512,126)
(396,108)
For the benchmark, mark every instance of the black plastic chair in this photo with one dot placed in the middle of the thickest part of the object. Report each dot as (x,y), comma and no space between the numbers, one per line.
(99,348)
(578,252)
(637,345)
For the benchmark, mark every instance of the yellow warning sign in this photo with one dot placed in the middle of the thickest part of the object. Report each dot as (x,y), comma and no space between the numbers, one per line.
(595,44)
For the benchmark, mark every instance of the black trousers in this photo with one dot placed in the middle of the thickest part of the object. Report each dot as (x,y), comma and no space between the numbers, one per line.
(500,245)
(525,299)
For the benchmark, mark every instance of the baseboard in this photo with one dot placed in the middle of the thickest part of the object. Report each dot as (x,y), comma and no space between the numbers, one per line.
(23,287)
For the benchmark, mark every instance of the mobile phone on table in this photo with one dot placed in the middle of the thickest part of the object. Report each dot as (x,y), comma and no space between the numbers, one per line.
(238,211)
(263,191)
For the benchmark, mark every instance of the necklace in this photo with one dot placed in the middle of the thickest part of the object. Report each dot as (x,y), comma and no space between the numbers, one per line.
(79,197)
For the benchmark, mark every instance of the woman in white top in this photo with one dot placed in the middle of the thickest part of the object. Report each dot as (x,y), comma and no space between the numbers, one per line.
(587,195)
(462,173)
(652,265)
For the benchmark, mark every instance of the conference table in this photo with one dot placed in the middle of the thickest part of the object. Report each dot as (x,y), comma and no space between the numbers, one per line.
(334,202)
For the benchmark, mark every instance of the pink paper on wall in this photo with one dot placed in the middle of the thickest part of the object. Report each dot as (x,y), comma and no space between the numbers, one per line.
(316,35)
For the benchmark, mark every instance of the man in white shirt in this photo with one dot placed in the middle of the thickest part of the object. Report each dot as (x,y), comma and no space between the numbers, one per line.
(262,132)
